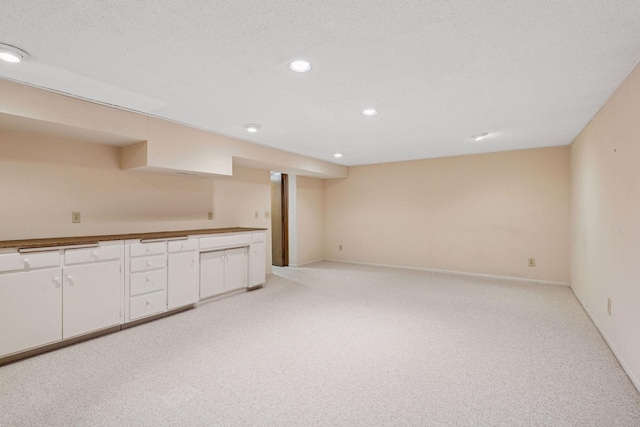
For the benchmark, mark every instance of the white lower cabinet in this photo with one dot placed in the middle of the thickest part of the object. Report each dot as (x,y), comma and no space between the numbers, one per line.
(258,259)
(146,285)
(223,271)
(49,295)
(91,298)
(92,288)
(30,309)
(183,273)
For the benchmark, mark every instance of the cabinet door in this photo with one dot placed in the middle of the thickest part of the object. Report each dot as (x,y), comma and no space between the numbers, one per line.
(183,279)
(30,310)
(235,273)
(211,273)
(91,297)
(258,264)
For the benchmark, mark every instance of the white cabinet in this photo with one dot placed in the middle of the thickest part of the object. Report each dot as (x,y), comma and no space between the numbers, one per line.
(211,273)
(91,298)
(223,271)
(146,281)
(40,305)
(258,259)
(183,273)
(92,289)
(30,308)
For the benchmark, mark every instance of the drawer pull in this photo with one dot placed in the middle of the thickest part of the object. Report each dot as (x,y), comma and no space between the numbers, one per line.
(148,302)
(149,263)
(94,254)
(26,262)
(148,278)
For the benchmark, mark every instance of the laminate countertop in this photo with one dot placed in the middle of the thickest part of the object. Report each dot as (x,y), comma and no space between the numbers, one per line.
(89,240)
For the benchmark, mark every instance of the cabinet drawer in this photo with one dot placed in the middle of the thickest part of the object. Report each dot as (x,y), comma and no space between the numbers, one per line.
(146,305)
(258,237)
(17,261)
(148,263)
(225,241)
(183,245)
(102,253)
(142,283)
(146,249)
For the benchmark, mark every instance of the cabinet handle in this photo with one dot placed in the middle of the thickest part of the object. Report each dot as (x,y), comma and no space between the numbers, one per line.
(148,302)
(26,262)
(182,246)
(56,281)
(94,254)
(194,260)
(149,264)
(148,278)
(70,279)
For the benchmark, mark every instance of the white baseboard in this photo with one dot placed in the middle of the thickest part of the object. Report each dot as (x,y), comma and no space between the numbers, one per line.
(615,352)
(306,263)
(464,273)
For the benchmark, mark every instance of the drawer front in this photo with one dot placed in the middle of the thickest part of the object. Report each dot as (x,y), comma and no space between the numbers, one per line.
(101,253)
(183,245)
(258,237)
(25,262)
(148,263)
(147,249)
(142,283)
(146,305)
(225,241)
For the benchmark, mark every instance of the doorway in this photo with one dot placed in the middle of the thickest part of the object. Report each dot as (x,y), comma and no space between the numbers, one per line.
(279,219)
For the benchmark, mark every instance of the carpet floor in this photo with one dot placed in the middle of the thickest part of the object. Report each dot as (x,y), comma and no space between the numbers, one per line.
(339,345)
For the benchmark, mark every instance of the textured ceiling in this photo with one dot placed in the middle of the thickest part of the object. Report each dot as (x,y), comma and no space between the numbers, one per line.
(532,73)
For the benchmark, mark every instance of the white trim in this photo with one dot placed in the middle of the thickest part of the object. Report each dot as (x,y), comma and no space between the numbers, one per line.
(464,273)
(615,352)
(307,263)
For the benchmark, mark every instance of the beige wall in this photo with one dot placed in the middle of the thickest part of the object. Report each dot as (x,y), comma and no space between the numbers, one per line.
(169,146)
(43,179)
(310,221)
(605,221)
(479,214)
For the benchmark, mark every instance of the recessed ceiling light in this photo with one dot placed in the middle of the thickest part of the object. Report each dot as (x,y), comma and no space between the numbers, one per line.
(480,136)
(337,155)
(10,53)
(300,66)
(252,128)
(369,112)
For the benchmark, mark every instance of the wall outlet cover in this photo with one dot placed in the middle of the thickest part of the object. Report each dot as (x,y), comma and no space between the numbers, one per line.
(75,217)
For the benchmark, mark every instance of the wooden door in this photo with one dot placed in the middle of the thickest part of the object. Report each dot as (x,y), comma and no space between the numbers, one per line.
(279,219)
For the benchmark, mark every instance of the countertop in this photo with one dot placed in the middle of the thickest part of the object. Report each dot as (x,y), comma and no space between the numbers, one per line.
(89,240)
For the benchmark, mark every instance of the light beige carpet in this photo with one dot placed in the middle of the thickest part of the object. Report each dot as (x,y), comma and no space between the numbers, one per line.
(339,345)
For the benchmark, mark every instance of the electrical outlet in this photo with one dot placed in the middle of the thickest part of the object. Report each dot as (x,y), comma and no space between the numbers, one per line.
(257,215)
(532,262)
(340,247)
(267,214)
(210,215)
(609,306)
(75,217)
